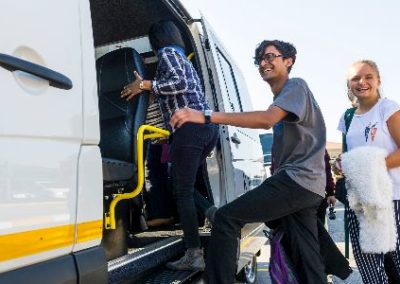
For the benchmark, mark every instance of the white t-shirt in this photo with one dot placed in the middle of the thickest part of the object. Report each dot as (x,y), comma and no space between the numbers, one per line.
(371,129)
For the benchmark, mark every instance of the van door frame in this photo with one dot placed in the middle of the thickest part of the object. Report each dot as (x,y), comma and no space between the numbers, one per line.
(210,48)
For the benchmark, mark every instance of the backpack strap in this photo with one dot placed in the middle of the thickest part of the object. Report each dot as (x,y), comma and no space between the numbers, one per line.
(348,117)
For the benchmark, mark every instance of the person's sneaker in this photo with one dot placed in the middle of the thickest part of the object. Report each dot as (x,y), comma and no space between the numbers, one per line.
(192,260)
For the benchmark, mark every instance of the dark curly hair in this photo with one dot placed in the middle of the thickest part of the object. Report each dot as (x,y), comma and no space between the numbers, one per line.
(285,48)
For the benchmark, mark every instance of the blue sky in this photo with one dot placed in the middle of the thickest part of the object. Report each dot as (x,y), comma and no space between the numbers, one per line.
(328,35)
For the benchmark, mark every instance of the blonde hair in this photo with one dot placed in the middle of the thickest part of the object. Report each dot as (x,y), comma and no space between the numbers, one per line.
(371,64)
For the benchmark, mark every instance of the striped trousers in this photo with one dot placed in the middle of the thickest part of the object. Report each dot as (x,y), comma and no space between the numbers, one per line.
(371,266)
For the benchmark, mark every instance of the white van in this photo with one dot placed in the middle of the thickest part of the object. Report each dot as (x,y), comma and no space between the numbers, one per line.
(67,144)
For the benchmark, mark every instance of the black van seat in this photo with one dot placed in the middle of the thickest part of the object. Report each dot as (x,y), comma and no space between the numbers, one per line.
(117,170)
(119,118)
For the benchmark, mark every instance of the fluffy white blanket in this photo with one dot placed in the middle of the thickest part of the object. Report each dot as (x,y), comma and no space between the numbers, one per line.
(369,188)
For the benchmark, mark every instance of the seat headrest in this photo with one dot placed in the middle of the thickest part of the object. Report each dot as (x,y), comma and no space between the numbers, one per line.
(115,69)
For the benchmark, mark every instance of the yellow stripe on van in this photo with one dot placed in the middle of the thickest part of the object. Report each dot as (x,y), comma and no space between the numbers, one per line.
(89,231)
(31,242)
(41,240)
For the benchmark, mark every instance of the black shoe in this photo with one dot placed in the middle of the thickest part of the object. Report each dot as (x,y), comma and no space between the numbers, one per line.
(192,260)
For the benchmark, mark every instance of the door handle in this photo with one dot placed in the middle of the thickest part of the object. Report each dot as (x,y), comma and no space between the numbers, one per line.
(235,140)
(57,80)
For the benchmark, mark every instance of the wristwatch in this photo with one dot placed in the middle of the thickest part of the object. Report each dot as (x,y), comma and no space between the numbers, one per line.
(207,115)
(141,85)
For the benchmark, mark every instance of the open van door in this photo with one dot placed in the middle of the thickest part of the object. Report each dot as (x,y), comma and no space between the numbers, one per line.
(237,143)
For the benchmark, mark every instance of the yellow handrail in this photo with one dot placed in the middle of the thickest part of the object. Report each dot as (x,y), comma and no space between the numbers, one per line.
(190,56)
(155,132)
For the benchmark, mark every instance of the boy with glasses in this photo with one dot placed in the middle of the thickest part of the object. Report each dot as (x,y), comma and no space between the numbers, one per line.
(293,194)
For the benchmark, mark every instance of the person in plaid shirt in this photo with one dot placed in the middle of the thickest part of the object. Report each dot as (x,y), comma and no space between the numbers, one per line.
(176,86)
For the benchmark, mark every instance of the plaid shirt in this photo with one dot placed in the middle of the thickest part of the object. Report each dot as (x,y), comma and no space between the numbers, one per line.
(177,84)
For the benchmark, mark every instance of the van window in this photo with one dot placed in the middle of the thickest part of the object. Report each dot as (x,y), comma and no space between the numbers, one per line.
(231,96)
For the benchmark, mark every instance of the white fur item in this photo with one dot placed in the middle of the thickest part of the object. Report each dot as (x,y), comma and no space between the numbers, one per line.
(369,189)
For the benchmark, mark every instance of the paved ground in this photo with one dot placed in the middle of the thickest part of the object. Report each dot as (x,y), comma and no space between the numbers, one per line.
(336,229)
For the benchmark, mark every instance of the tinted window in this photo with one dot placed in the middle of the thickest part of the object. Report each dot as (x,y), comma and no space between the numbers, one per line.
(231,96)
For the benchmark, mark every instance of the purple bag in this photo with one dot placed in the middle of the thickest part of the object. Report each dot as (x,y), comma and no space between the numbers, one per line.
(280,266)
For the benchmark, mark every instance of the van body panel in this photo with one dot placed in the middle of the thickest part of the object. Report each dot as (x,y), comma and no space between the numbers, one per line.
(57,270)
(41,131)
(227,167)
(38,191)
(232,97)
(86,266)
(89,217)
(35,108)
(51,181)
(91,128)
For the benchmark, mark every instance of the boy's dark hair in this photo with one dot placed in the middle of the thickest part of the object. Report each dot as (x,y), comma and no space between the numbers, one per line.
(165,33)
(286,49)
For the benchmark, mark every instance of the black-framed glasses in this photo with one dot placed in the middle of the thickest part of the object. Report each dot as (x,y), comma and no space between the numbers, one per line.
(268,57)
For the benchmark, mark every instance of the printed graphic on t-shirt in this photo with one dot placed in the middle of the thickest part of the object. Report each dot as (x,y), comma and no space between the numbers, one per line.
(370,132)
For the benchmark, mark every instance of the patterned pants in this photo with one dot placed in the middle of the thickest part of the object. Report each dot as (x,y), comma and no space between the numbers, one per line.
(371,266)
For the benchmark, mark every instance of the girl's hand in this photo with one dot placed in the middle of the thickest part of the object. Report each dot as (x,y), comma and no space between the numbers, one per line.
(337,166)
(133,88)
(331,200)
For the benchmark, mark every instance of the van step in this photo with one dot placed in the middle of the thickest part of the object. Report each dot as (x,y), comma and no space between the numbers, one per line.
(172,277)
(130,267)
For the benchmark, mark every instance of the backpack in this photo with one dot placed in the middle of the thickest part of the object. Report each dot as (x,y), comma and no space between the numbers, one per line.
(280,266)
(341,191)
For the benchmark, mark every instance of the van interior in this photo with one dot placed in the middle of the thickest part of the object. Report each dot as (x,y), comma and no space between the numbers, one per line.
(117,22)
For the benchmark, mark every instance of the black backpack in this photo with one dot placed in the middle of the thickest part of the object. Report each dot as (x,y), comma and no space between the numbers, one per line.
(340,189)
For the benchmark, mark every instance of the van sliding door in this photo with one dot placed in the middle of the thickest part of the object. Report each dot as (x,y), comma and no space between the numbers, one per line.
(241,166)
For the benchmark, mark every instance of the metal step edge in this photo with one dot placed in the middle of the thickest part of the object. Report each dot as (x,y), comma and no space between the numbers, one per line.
(132,265)
(172,277)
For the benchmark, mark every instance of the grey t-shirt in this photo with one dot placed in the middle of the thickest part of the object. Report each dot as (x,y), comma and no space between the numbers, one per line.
(300,138)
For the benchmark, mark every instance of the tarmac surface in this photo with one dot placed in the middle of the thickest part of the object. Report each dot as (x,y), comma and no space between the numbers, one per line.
(336,230)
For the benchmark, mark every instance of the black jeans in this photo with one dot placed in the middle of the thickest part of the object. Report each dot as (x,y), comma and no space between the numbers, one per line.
(158,194)
(190,145)
(278,197)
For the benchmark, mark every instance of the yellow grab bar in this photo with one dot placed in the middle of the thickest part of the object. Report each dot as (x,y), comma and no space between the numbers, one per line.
(155,132)
(190,56)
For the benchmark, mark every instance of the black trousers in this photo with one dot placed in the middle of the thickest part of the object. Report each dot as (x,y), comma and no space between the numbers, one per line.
(191,143)
(158,194)
(321,212)
(279,197)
